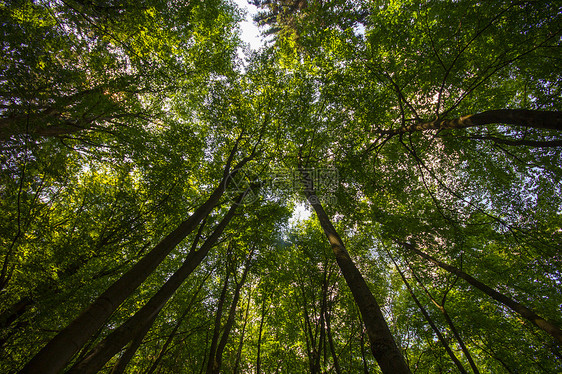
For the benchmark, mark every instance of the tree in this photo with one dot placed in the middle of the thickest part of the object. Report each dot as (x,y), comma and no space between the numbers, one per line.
(428,136)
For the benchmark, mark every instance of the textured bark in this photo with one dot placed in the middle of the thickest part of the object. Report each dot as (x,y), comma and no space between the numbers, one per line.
(58,352)
(522,310)
(124,333)
(519,117)
(383,346)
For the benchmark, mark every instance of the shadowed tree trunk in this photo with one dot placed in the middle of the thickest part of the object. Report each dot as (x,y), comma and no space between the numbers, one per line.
(122,335)
(217,325)
(217,359)
(522,310)
(383,346)
(262,320)
(177,326)
(241,342)
(519,117)
(58,352)
(124,360)
(313,344)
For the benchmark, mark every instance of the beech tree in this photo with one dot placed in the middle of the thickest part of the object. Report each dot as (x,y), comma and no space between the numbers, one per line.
(376,189)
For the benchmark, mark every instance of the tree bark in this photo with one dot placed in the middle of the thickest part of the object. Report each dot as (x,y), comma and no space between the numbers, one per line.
(538,119)
(58,352)
(383,346)
(123,334)
(520,309)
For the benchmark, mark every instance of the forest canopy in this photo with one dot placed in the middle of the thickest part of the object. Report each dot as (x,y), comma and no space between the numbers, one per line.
(376,189)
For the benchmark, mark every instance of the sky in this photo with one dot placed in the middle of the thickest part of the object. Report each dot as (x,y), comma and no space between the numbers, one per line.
(250,32)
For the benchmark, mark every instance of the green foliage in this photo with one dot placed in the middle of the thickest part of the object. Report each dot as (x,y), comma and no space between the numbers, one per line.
(117,120)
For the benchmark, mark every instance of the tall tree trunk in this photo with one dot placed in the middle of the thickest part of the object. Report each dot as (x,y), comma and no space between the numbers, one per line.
(322,322)
(429,320)
(124,360)
(231,317)
(539,119)
(177,326)
(383,346)
(522,310)
(241,342)
(327,318)
(262,320)
(309,334)
(123,334)
(217,326)
(337,367)
(58,352)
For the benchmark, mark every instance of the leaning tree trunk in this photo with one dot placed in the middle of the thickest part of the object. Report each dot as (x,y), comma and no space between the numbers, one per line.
(383,346)
(58,352)
(522,310)
(106,349)
(121,365)
(539,119)
(179,321)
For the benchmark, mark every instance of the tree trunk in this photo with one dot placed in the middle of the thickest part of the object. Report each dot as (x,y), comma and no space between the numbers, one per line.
(383,346)
(58,352)
(177,326)
(309,334)
(429,320)
(122,335)
(523,311)
(218,317)
(327,313)
(239,351)
(519,117)
(337,367)
(231,316)
(449,320)
(262,320)
(124,360)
